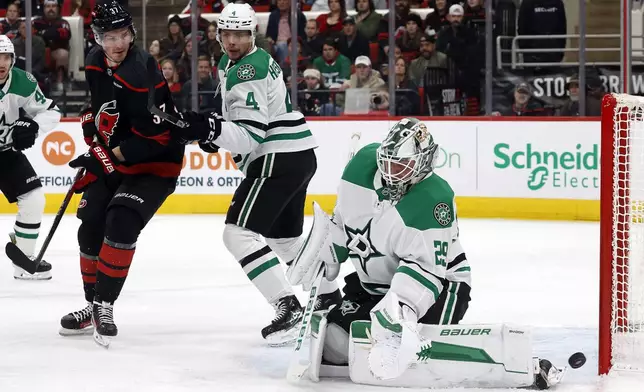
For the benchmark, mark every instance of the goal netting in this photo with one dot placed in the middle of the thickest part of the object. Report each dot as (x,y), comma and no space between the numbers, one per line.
(621,330)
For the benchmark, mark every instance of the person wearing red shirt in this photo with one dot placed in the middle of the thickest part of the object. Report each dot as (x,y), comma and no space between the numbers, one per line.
(56,32)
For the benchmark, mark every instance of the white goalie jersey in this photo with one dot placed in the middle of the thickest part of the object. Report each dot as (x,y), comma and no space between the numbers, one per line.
(257,109)
(21,91)
(410,247)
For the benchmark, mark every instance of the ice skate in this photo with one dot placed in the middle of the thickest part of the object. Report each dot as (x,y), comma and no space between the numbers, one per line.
(77,323)
(103,321)
(43,272)
(546,375)
(284,327)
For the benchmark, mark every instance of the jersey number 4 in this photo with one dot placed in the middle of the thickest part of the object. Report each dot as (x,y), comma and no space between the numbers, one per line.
(252,102)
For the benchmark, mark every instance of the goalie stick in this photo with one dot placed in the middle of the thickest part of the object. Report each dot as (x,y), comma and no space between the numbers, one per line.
(23,261)
(298,367)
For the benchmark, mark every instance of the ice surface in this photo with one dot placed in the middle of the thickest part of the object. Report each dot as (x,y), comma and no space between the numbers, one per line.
(189,319)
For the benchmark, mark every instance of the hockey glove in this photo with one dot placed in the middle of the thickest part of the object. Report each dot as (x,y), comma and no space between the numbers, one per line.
(204,128)
(98,162)
(24,133)
(89,126)
(210,148)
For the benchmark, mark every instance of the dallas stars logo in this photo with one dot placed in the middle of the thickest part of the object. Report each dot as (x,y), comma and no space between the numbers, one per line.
(246,72)
(360,245)
(4,128)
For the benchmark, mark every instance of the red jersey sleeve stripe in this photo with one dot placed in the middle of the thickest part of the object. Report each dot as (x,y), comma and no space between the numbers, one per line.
(162,138)
(93,68)
(126,84)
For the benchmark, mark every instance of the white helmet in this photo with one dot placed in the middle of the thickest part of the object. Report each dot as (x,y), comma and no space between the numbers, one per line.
(6,46)
(237,17)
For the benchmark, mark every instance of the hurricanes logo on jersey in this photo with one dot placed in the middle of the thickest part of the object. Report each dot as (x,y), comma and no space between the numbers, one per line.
(246,72)
(360,246)
(106,120)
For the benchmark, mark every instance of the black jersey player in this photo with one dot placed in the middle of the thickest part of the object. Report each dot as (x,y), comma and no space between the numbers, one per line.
(130,169)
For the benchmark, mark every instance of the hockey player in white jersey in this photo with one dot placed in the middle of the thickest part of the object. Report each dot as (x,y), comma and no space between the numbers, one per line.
(277,158)
(18,181)
(395,218)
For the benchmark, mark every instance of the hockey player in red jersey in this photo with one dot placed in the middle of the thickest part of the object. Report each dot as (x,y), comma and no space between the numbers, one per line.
(130,169)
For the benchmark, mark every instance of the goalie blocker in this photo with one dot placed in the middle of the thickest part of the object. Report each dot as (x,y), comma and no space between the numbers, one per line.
(466,356)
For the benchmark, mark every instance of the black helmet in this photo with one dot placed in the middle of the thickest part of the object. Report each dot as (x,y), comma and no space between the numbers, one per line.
(108,16)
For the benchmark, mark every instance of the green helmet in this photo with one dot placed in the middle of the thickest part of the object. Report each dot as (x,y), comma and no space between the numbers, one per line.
(406,156)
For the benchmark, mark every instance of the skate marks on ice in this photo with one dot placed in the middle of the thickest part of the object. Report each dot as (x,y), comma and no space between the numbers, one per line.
(189,319)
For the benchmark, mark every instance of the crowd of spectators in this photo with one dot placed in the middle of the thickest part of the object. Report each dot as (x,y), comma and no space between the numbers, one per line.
(342,59)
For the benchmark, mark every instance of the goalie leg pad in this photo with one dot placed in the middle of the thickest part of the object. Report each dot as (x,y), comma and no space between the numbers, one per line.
(329,344)
(467,356)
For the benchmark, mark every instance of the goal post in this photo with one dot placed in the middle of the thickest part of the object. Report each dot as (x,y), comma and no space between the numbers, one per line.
(621,282)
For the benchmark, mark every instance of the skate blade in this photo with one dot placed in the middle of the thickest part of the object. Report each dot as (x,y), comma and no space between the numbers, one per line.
(46,275)
(89,330)
(102,340)
(283,338)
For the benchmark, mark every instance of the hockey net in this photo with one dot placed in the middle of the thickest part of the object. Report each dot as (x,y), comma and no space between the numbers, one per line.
(621,327)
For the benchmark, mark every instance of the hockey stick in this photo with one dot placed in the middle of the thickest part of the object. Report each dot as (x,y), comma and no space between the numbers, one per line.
(298,367)
(22,260)
(152,108)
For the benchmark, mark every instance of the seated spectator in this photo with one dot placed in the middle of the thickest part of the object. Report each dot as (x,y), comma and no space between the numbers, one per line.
(435,21)
(409,41)
(330,24)
(407,98)
(155,50)
(475,14)
(170,74)
(334,67)
(38,47)
(524,104)
(303,62)
(83,9)
(10,25)
(352,44)
(384,67)
(210,46)
(202,23)
(366,77)
(456,39)
(594,94)
(313,42)
(172,45)
(429,57)
(184,65)
(56,32)
(367,19)
(542,17)
(278,29)
(206,86)
(315,102)
(402,12)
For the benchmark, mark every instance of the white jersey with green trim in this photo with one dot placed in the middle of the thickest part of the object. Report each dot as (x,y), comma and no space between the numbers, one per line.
(257,109)
(412,246)
(21,91)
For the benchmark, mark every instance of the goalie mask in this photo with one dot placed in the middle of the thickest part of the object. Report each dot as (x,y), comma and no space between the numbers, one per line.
(406,156)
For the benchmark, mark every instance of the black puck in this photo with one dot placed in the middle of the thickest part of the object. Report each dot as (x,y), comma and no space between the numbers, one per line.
(577,360)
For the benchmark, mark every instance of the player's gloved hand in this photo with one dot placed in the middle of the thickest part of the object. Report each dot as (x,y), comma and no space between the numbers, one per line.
(210,148)
(24,133)
(89,126)
(98,162)
(395,337)
(205,128)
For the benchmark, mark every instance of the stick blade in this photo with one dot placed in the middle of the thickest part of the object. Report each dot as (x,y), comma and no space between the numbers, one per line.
(296,370)
(20,259)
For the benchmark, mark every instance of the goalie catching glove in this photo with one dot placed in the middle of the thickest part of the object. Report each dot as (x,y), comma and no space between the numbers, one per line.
(323,246)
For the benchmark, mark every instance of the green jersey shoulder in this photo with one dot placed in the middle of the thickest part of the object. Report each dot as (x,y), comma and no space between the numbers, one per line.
(428,204)
(362,168)
(254,67)
(23,83)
